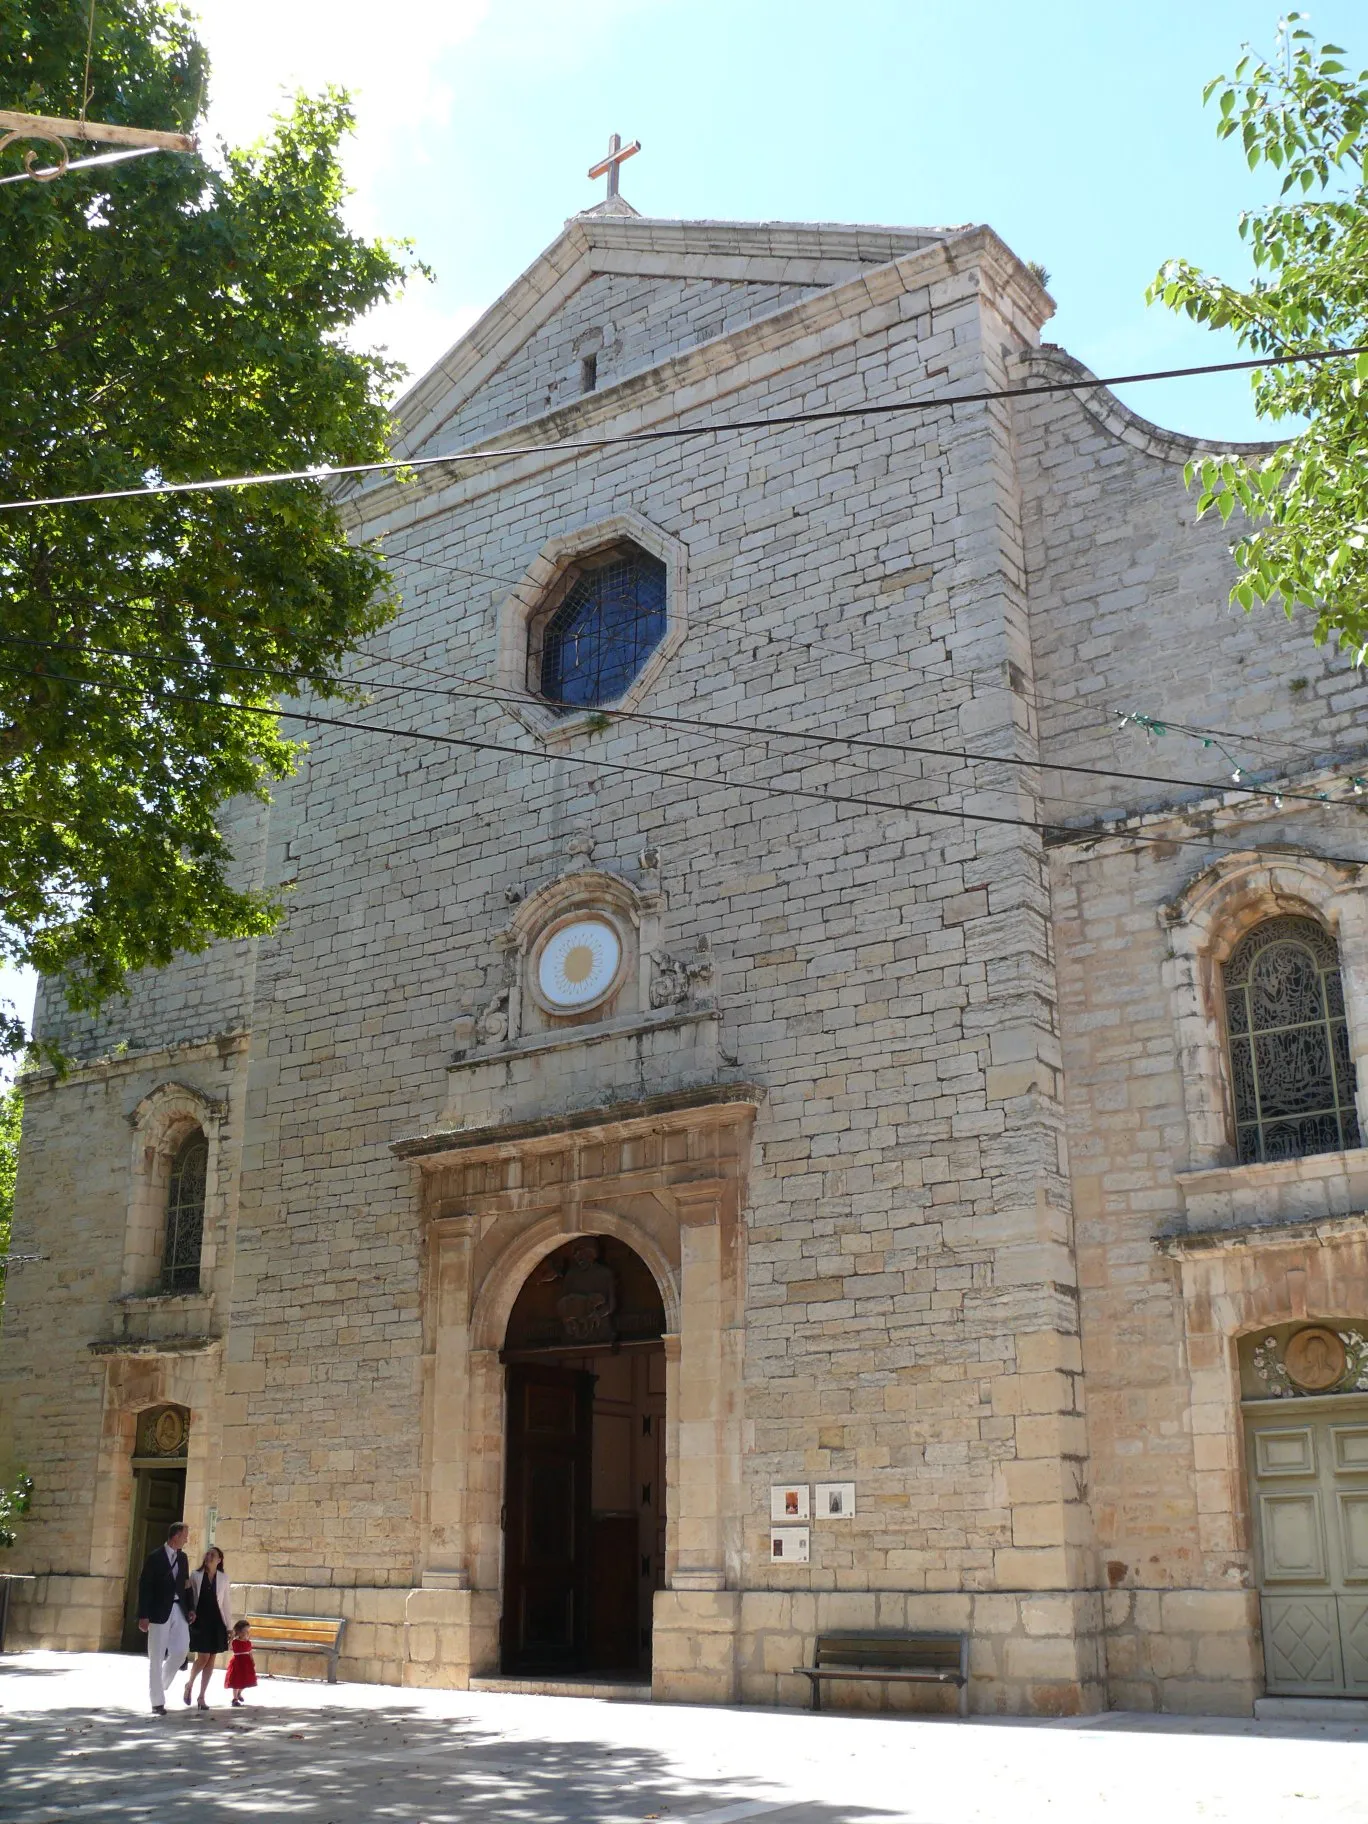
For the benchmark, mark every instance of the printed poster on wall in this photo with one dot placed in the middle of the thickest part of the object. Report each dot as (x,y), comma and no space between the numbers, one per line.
(789,1501)
(789,1544)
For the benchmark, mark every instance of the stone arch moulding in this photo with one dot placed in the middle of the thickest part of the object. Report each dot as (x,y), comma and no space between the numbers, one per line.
(523,1253)
(521,608)
(1205,922)
(160,1122)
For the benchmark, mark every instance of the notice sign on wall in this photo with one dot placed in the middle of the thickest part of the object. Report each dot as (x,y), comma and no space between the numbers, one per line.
(789,1501)
(835,1500)
(789,1544)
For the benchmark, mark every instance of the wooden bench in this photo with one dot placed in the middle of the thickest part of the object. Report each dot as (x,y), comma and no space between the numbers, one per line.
(923,1659)
(299,1634)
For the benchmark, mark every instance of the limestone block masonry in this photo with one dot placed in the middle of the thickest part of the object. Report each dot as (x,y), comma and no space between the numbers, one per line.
(904,1086)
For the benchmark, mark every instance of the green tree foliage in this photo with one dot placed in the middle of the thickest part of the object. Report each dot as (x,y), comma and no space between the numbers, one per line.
(170,317)
(14,1504)
(11,1113)
(1304,539)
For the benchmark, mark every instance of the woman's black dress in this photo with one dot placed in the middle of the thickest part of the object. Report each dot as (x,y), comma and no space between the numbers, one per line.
(207,1632)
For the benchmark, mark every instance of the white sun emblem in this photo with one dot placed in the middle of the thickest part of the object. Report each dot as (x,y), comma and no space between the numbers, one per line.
(578,964)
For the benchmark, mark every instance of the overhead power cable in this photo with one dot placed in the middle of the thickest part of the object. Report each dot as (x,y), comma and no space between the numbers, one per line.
(1059,834)
(478,690)
(1104,714)
(670,433)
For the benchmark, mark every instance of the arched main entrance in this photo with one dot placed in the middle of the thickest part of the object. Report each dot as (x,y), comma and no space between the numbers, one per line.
(584,1503)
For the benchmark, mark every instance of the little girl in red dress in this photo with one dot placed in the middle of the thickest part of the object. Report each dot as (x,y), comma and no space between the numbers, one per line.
(241,1673)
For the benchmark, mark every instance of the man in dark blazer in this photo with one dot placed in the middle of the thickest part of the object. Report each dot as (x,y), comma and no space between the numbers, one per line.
(165,1611)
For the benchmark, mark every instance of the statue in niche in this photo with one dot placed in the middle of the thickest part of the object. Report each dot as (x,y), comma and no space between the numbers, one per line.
(589,1294)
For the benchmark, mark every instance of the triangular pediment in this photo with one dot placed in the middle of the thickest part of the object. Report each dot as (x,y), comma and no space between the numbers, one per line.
(630,293)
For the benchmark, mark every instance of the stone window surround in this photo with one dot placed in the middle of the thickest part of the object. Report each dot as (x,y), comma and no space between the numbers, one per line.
(1204,923)
(161,1123)
(540,590)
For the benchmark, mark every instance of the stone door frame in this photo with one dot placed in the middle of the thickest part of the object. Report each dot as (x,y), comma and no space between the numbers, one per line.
(1234,1282)
(135,1378)
(666,1176)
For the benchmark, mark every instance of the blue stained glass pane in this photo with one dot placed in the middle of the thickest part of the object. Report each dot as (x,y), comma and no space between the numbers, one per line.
(604,631)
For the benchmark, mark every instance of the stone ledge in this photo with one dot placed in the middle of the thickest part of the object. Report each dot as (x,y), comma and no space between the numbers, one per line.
(167,1345)
(569,1037)
(584,1120)
(217,1045)
(1324,1187)
(1198,1243)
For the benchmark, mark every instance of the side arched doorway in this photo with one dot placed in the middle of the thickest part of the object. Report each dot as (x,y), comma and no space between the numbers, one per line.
(584,1496)
(160,1448)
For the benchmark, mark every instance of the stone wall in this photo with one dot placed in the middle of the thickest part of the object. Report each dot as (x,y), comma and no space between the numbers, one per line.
(973,1105)
(628,325)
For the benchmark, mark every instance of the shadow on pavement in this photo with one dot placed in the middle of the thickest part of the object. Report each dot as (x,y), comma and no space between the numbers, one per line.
(335,1766)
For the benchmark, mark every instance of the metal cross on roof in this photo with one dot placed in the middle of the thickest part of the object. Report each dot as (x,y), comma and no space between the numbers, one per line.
(608,167)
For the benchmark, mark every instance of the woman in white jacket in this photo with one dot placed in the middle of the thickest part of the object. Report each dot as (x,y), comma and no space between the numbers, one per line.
(213,1621)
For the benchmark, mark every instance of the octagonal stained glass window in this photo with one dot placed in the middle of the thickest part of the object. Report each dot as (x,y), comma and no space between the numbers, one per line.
(592,646)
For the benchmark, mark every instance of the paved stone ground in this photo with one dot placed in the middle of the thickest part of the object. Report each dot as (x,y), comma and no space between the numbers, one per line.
(78,1746)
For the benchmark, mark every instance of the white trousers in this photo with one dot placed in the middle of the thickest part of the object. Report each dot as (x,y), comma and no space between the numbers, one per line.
(168,1642)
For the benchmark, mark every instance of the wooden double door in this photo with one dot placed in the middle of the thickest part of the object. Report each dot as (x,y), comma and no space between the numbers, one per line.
(1308,1466)
(583,1514)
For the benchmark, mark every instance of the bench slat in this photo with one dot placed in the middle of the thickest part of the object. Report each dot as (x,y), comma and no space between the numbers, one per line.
(267,1625)
(889,1656)
(318,1634)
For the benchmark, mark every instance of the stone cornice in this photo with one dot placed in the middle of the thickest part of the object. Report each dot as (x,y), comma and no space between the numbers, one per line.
(166,1345)
(1050,362)
(776,253)
(573,1038)
(697,378)
(1248,1237)
(1218,811)
(583,1122)
(222,1045)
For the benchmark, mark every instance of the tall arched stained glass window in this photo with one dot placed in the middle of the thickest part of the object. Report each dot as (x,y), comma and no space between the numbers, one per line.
(611,620)
(185,1215)
(1290,1068)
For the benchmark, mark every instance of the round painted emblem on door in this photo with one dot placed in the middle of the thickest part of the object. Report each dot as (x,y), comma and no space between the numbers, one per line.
(579,963)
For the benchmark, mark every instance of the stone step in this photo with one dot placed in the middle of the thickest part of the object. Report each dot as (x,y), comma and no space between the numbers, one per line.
(627,1690)
(1311,1709)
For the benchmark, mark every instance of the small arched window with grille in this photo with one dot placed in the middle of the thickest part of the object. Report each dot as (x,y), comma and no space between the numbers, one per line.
(594,644)
(1291,1072)
(185,1215)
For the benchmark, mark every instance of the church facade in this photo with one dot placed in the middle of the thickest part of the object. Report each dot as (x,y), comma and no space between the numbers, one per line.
(795,1091)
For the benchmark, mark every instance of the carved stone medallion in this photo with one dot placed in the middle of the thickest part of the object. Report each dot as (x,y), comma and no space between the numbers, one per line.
(162,1432)
(1315,1359)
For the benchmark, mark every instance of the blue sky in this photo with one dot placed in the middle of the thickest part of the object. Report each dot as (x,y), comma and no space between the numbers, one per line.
(1075,129)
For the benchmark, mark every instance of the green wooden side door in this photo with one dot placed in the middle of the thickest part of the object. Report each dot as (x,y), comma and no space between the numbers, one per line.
(1309,1475)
